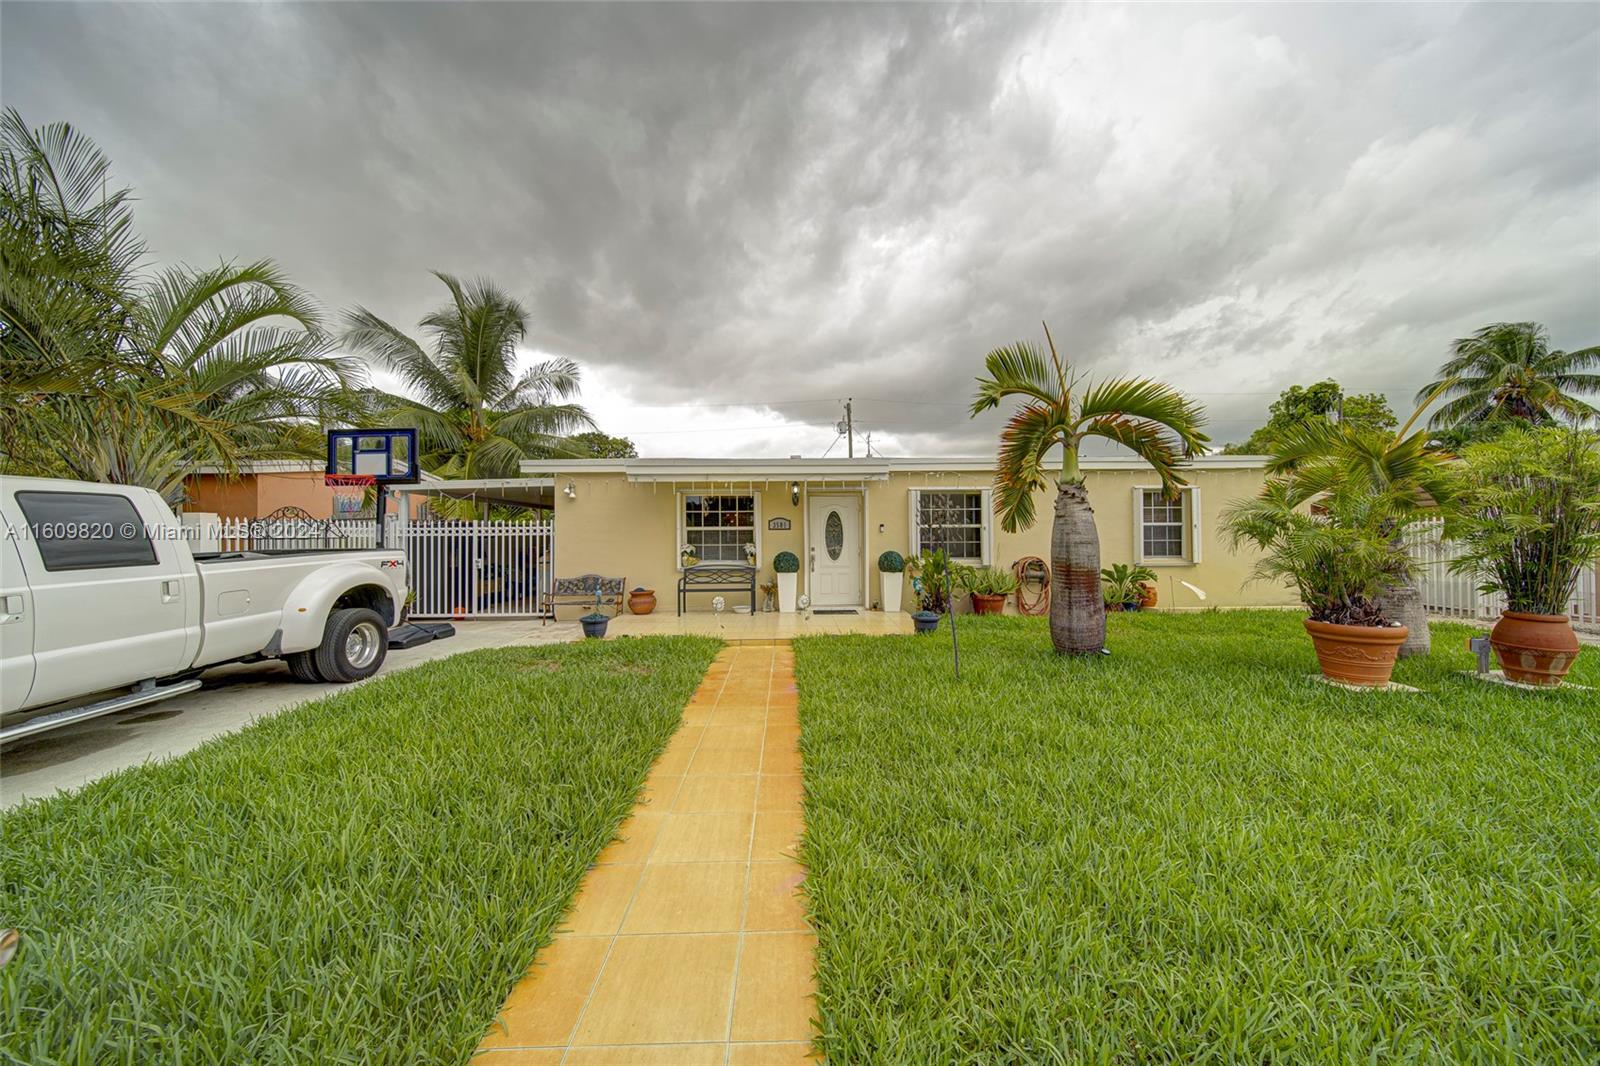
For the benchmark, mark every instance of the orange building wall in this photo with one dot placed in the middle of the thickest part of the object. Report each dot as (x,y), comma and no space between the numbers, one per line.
(258,495)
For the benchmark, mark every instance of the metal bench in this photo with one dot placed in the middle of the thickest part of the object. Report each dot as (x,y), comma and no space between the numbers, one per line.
(717,577)
(581,591)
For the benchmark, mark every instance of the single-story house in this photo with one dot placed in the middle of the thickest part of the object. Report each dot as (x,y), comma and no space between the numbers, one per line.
(629,517)
(263,487)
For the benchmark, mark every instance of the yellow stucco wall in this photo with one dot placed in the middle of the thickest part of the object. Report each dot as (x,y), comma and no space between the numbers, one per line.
(629,529)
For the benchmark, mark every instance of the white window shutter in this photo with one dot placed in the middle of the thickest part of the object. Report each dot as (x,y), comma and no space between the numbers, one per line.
(916,534)
(1138,525)
(1194,523)
(986,496)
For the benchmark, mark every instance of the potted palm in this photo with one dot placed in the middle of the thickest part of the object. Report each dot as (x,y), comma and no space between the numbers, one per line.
(1339,557)
(891,565)
(787,566)
(988,586)
(930,577)
(1529,521)
(1123,586)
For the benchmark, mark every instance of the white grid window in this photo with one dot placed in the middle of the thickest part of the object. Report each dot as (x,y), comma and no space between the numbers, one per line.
(718,526)
(1164,528)
(957,521)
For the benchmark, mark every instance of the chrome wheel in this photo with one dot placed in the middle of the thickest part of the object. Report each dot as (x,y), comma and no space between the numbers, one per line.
(361,646)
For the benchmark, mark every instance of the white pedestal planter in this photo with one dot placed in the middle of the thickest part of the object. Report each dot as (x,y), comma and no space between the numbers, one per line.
(893,585)
(787,586)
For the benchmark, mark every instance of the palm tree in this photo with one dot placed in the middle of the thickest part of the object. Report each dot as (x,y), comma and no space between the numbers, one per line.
(1402,468)
(114,375)
(1507,372)
(1153,420)
(476,416)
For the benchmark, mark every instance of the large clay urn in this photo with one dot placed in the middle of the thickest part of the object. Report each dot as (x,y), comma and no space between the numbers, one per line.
(1357,655)
(1535,649)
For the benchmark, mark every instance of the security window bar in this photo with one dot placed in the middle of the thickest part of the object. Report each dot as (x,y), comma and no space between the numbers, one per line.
(1163,525)
(719,526)
(952,521)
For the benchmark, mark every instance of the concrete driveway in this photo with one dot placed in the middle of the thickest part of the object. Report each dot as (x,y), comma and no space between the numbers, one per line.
(233,697)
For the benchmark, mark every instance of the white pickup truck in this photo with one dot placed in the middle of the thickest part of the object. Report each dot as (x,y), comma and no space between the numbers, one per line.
(99,591)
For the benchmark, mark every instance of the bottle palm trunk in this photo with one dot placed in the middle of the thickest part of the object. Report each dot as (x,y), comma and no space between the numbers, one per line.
(1403,603)
(1077,608)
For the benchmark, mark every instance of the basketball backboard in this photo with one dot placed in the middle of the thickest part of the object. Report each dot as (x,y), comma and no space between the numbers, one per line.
(388,456)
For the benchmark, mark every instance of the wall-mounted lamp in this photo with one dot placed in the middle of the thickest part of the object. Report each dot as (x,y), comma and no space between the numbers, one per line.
(794,492)
(571,490)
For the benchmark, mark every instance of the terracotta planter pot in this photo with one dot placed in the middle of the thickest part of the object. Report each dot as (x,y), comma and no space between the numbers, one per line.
(1147,596)
(1535,649)
(1357,655)
(982,603)
(642,601)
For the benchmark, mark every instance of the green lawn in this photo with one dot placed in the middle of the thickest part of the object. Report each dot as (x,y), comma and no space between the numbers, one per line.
(1189,852)
(359,880)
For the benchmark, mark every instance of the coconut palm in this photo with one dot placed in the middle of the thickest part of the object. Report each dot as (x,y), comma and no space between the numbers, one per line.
(1153,420)
(1508,372)
(111,374)
(1401,468)
(476,416)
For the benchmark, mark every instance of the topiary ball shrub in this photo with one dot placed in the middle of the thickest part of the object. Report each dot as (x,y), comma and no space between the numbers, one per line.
(892,562)
(786,563)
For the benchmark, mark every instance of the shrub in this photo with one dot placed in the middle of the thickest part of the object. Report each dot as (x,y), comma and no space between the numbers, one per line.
(986,580)
(891,562)
(1121,582)
(786,563)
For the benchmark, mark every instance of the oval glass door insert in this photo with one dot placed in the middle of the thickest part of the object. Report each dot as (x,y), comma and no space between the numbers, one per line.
(833,535)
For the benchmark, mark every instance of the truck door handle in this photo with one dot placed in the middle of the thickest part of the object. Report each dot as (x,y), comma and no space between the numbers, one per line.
(170,591)
(10,608)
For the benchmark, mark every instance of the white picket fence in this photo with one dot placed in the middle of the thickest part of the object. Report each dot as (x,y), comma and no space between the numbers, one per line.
(1458,595)
(455,569)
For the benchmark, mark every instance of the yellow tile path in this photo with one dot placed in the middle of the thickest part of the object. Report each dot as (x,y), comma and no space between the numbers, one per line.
(688,941)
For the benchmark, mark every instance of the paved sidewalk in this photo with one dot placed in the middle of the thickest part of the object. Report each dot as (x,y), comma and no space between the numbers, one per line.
(688,941)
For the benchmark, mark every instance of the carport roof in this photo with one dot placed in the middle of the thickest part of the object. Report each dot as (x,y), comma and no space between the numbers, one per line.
(515,491)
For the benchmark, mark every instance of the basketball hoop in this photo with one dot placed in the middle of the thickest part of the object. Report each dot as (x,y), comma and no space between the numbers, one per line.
(349,492)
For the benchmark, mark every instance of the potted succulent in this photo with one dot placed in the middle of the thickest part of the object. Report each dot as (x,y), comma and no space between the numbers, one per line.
(787,566)
(1339,556)
(642,600)
(688,556)
(750,554)
(594,623)
(930,576)
(1123,586)
(989,586)
(891,567)
(1528,519)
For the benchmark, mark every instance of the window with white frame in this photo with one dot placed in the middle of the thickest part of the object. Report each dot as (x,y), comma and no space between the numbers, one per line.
(955,520)
(718,527)
(1165,526)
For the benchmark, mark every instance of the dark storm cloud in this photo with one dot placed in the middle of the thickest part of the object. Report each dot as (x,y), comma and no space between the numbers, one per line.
(769,204)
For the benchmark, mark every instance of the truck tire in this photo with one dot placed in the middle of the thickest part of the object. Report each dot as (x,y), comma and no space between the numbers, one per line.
(303,665)
(354,644)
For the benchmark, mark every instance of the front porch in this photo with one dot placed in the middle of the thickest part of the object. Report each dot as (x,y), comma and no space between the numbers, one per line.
(760,628)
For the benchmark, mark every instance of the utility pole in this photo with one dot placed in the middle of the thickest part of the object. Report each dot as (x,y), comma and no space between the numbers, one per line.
(849,429)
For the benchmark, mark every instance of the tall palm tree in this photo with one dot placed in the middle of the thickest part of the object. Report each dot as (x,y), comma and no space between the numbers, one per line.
(1153,420)
(111,374)
(1508,372)
(1403,468)
(476,416)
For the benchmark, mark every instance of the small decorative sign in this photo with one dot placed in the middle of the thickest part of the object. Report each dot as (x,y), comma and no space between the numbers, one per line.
(778,523)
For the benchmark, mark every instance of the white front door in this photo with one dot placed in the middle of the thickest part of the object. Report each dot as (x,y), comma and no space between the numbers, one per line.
(834,540)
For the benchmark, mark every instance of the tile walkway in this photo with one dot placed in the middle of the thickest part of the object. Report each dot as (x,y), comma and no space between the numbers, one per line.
(688,942)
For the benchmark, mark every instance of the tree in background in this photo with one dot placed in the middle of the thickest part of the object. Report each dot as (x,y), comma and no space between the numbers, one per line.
(1507,374)
(475,414)
(111,374)
(1155,421)
(590,445)
(1299,405)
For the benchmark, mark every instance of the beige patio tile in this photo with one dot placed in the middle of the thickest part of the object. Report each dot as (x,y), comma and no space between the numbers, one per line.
(635,838)
(733,736)
(662,990)
(788,1053)
(718,763)
(647,1055)
(780,760)
(775,996)
(777,835)
(521,1056)
(731,793)
(779,792)
(776,901)
(689,897)
(659,791)
(543,1007)
(602,899)
(718,837)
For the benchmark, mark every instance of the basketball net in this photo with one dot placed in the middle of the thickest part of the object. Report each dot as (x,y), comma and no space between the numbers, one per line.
(349,491)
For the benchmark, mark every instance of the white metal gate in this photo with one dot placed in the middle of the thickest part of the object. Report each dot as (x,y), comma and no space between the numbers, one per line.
(1458,595)
(478,569)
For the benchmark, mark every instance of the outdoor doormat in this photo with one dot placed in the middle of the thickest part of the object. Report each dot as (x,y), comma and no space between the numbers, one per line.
(1497,677)
(1393,686)
(833,610)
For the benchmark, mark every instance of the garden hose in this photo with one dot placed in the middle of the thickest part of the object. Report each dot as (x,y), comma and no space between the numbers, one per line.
(1030,569)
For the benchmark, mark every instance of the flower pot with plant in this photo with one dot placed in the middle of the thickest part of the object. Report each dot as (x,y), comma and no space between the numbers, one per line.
(1339,559)
(688,556)
(988,586)
(930,584)
(594,623)
(1123,585)
(787,566)
(1528,523)
(891,571)
(642,600)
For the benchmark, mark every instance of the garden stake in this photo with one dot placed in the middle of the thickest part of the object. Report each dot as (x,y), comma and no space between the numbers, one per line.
(950,599)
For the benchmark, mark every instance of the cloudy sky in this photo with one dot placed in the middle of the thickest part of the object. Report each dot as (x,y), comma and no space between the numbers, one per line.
(734,216)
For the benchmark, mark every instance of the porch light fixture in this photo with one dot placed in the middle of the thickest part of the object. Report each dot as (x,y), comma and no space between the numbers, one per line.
(794,493)
(571,490)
